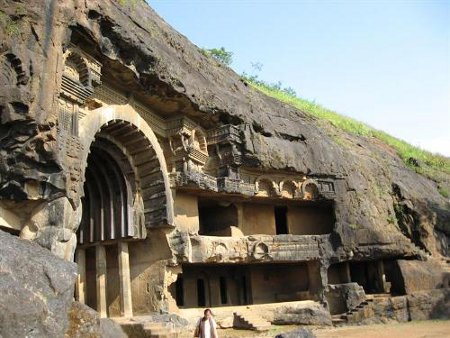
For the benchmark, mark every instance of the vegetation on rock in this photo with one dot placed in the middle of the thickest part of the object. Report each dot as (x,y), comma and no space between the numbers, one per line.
(9,25)
(422,161)
(431,165)
(219,54)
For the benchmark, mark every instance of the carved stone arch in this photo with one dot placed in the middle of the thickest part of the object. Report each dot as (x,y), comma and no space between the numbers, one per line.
(310,189)
(12,72)
(288,188)
(265,187)
(260,251)
(123,125)
(198,140)
(76,68)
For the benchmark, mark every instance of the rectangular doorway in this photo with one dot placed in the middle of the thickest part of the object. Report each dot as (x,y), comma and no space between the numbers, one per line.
(281,224)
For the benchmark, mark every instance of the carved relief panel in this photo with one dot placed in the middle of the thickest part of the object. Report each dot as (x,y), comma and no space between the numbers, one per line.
(187,144)
(81,73)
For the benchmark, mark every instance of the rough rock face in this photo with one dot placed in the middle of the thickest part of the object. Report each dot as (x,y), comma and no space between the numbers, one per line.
(434,304)
(344,297)
(298,333)
(36,290)
(144,55)
(85,322)
(295,314)
(420,275)
(36,300)
(423,305)
(382,208)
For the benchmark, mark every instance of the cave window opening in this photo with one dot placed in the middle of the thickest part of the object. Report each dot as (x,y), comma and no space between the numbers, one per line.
(179,291)
(244,290)
(201,296)
(281,220)
(217,218)
(223,290)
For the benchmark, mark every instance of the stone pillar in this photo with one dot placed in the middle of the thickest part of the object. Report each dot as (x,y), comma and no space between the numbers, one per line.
(100,265)
(348,275)
(240,215)
(190,291)
(385,287)
(318,277)
(125,280)
(81,279)
(214,287)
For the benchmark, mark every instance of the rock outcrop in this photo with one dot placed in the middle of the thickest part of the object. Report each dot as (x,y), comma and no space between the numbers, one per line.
(37,291)
(301,315)
(54,56)
(297,333)
(85,322)
(143,55)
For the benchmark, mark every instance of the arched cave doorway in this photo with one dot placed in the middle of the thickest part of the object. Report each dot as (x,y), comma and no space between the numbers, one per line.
(112,217)
(108,195)
(126,192)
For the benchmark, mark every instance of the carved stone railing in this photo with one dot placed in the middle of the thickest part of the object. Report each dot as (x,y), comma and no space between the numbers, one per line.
(228,185)
(204,181)
(192,178)
(255,248)
(227,133)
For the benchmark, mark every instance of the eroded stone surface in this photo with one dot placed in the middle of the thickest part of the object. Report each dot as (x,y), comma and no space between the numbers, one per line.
(301,315)
(95,90)
(434,304)
(36,289)
(85,322)
(152,57)
(298,333)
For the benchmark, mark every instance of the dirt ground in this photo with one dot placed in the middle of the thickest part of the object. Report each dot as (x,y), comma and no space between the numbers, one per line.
(417,329)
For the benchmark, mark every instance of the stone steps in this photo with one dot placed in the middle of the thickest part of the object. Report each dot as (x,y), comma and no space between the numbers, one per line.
(156,330)
(444,262)
(250,321)
(358,313)
(147,329)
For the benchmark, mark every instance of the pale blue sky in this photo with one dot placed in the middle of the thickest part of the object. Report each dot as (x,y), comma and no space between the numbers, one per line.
(386,63)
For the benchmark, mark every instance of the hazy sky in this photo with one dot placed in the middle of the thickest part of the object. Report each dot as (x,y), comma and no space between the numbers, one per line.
(386,63)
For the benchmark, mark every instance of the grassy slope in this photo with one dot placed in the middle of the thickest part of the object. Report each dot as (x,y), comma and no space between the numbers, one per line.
(424,162)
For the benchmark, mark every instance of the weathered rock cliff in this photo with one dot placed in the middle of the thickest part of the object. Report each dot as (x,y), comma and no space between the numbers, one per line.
(382,207)
(378,196)
(37,290)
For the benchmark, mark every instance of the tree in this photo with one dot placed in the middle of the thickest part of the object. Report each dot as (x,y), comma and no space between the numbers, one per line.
(220,54)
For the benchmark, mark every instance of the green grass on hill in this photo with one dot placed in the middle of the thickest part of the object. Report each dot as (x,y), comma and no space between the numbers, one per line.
(429,164)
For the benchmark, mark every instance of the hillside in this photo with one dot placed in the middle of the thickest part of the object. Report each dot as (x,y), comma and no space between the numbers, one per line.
(144,56)
(433,166)
(113,131)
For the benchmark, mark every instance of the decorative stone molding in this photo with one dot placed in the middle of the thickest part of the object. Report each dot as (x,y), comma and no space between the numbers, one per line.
(187,144)
(326,188)
(13,80)
(280,248)
(266,188)
(289,189)
(124,125)
(228,185)
(226,143)
(193,179)
(80,75)
(261,251)
(310,190)
(12,72)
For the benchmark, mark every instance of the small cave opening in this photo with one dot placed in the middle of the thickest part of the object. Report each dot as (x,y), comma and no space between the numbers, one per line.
(216,217)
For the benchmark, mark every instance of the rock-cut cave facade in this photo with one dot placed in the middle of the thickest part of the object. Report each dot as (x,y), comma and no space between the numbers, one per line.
(163,212)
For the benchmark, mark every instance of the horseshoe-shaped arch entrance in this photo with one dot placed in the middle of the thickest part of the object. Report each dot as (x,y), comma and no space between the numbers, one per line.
(126,191)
